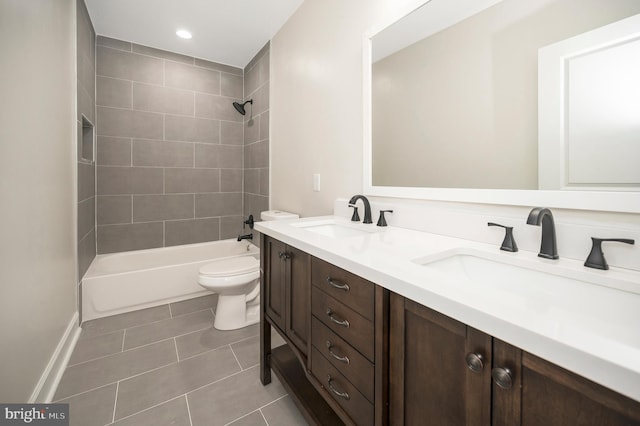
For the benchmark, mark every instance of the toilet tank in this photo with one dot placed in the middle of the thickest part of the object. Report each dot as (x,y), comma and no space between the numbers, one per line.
(277,215)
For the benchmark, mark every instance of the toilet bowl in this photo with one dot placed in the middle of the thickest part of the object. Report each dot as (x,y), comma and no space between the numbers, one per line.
(236,281)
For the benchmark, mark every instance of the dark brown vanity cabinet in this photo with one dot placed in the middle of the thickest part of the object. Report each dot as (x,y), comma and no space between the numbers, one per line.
(336,327)
(287,283)
(443,372)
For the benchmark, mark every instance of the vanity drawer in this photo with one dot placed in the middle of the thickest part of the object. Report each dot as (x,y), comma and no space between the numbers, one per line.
(345,322)
(341,390)
(352,290)
(355,367)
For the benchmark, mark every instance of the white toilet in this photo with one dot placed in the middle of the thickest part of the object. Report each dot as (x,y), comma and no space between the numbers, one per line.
(236,280)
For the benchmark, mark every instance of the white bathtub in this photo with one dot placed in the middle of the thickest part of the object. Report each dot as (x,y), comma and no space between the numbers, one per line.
(123,282)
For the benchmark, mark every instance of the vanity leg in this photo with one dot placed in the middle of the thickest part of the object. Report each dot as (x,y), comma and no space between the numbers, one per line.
(265,348)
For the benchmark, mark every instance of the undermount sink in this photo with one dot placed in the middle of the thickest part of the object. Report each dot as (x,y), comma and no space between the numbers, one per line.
(331,228)
(500,271)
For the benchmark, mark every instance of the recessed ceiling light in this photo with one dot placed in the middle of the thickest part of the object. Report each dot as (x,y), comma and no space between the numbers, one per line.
(183,34)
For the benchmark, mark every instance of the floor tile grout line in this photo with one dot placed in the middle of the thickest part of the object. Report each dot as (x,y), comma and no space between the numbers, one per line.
(173,337)
(168,319)
(170,311)
(150,408)
(214,349)
(188,409)
(124,334)
(83,392)
(263,417)
(242,417)
(115,403)
(219,380)
(175,344)
(236,358)
(118,353)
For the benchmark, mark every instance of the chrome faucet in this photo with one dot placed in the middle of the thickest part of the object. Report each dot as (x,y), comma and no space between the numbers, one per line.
(548,246)
(367,207)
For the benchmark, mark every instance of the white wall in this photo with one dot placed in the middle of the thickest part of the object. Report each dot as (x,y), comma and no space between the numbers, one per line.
(37,190)
(317,125)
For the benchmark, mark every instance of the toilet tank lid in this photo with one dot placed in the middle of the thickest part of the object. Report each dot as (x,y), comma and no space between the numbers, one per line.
(277,215)
(231,266)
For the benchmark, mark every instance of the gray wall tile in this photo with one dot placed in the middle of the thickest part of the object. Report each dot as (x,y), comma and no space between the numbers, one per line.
(231,180)
(260,99)
(231,227)
(129,66)
(86,181)
(137,236)
(192,231)
(148,97)
(113,151)
(191,180)
(189,77)
(86,252)
(216,107)
(129,123)
(179,128)
(148,208)
(264,125)
(254,204)
(162,153)
(218,67)
(114,209)
(114,43)
(86,105)
(231,133)
(229,156)
(113,92)
(150,51)
(252,181)
(264,182)
(222,204)
(86,72)
(256,155)
(129,180)
(252,131)
(86,216)
(231,85)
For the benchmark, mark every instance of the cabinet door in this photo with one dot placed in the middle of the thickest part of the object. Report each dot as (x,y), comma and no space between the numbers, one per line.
(298,299)
(275,281)
(539,393)
(430,381)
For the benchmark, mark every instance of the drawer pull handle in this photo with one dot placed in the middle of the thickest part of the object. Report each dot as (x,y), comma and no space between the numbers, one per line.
(502,377)
(344,359)
(334,390)
(343,323)
(337,284)
(284,255)
(475,362)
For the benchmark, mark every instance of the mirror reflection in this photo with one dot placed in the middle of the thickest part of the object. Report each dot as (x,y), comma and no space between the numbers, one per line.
(457,107)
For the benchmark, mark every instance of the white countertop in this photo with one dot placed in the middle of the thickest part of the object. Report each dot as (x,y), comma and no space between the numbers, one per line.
(588,328)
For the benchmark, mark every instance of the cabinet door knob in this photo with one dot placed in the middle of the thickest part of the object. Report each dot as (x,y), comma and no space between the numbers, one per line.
(334,390)
(344,359)
(337,284)
(475,362)
(284,255)
(343,323)
(502,377)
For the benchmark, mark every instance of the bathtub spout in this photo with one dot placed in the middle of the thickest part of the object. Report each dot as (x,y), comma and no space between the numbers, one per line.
(245,237)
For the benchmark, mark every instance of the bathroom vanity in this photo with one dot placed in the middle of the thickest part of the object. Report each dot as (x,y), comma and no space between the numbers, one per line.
(376,335)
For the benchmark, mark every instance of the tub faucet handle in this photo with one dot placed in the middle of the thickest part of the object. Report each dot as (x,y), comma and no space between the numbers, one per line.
(249,222)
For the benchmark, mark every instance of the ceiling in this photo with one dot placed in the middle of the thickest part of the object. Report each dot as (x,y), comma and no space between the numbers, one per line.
(230,32)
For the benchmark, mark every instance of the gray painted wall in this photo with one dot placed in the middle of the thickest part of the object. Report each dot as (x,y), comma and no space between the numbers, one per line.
(38,271)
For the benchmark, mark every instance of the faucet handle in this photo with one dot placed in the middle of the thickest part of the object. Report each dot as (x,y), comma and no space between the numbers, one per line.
(356,216)
(509,243)
(381,220)
(596,256)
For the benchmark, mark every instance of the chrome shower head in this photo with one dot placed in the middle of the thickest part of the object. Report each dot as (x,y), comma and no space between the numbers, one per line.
(240,106)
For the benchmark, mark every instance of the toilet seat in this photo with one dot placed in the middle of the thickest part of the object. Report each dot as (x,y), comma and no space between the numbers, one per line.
(229,272)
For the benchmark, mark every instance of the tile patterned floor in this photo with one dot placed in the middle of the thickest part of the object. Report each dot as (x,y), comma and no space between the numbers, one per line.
(168,366)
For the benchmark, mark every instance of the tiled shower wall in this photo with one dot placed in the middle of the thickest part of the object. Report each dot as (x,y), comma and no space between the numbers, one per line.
(256,135)
(170,148)
(86,80)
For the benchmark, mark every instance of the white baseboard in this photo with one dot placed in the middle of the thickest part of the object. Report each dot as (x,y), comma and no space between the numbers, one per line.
(48,383)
